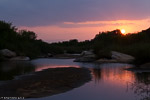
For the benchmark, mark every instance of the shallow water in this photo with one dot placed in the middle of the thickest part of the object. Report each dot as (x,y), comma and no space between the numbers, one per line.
(109,81)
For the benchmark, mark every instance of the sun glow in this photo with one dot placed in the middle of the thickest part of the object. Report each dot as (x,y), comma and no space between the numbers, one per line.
(123,31)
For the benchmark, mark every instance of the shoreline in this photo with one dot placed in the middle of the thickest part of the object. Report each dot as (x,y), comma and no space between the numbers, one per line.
(46,83)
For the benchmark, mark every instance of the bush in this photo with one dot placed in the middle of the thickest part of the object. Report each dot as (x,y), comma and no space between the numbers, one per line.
(137,45)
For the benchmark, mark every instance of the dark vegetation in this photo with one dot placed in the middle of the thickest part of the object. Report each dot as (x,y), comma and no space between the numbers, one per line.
(72,46)
(26,43)
(137,45)
(23,42)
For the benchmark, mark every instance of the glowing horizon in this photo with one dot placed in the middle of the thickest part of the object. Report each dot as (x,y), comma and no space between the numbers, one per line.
(85,30)
(60,20)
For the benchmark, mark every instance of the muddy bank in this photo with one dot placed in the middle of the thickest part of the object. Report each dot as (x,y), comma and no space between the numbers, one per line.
(46,83)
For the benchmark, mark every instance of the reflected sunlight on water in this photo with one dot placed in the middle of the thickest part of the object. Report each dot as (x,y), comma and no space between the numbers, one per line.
(40,68)
(117,75)
(109,81)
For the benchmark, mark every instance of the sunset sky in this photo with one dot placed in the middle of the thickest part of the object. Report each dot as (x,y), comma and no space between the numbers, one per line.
(59,20)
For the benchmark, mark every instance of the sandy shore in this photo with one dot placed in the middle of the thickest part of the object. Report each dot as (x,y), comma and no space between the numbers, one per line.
(46,83)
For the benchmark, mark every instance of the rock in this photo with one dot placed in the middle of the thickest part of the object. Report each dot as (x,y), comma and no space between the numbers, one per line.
(20,58)
(86,56)
(106,61)
(49,55)
(7,53)
(84,53)
(121,57)
(117,57)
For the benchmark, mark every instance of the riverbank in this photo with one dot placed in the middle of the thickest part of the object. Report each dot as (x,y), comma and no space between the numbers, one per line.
(45,83)
(106,78)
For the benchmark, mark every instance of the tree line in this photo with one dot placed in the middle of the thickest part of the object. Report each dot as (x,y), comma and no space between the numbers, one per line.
(26,43)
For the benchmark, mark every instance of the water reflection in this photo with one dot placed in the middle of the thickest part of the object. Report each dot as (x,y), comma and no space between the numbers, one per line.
(8,70)
(42,64)
(106,78)
(40,68)
(112,72)
(139,83)
(96,72)
(141,86)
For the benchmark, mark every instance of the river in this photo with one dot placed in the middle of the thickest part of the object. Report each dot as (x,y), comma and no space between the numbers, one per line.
(110,81)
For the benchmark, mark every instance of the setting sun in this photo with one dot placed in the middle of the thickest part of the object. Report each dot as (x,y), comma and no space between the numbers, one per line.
(123,31)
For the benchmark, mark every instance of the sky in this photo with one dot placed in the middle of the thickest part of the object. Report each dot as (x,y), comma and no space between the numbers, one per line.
(61,20)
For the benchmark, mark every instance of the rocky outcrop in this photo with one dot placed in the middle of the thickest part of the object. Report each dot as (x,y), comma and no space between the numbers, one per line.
(86,56)
(121,57)
(7,53)
(85,53)
(117,57)
(106,61)
(20,58)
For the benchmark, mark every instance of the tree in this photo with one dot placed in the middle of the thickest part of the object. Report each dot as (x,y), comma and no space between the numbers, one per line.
(29,35)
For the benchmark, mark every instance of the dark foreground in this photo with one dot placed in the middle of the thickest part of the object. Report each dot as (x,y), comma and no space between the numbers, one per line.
(45,83)
(63,79)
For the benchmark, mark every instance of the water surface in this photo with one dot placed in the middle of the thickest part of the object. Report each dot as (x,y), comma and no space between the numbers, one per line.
(109,81)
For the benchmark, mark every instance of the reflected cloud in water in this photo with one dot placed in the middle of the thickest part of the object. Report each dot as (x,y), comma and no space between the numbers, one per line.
(106,78)
(42,64)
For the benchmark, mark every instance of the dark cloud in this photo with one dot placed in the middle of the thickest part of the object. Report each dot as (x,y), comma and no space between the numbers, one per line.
(53,12)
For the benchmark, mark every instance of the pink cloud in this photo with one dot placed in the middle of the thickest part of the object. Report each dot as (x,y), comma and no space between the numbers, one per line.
(82,32)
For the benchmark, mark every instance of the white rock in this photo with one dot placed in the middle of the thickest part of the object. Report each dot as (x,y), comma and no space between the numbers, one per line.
(7,53)
(121,57)
(86,56)
(86,53)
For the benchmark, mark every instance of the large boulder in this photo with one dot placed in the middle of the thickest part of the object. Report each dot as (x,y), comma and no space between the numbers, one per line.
(106,60)
(86,56)
(86,53)
(117,57)
(121,57)
(7,53)
(20,58)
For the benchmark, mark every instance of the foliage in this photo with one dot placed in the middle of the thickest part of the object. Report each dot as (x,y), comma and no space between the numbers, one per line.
(23,42)
(26,43)
(72,46)
(136,44)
